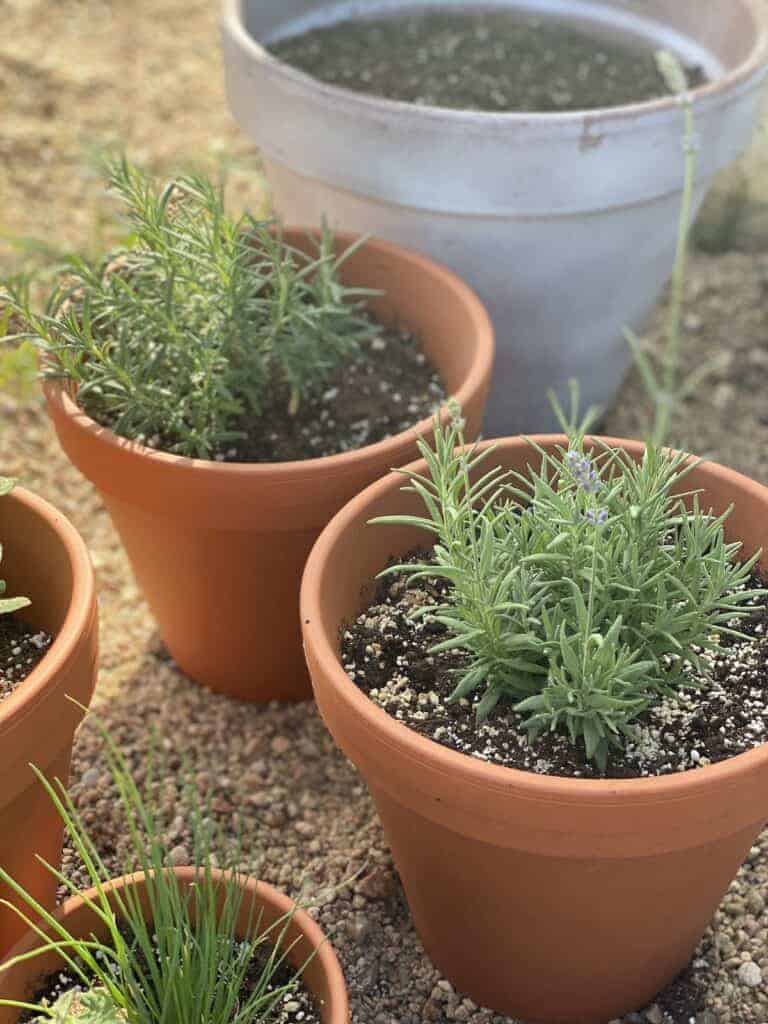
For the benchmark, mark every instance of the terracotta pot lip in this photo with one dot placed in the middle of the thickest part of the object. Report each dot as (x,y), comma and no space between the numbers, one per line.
(338,1009)
(424,752)
(232,18)
(59,394)
(76,622)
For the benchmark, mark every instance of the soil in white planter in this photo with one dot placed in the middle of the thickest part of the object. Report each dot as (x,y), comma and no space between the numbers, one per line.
(488,60)
(387,653)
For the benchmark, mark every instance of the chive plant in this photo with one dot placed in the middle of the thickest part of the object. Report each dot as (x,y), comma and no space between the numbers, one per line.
(187,962)
(196,321)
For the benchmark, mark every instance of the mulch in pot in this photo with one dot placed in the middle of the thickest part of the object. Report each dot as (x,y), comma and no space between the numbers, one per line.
(386,652)
(489,60)
(22,647)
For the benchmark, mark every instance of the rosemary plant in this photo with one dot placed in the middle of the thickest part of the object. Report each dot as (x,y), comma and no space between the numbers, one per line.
(188,962)
(196,321)
(582,591)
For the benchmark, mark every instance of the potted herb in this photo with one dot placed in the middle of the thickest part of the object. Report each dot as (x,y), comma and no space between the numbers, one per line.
(48,642)
(227,387)
(535,155)
(190,944)
(558,698)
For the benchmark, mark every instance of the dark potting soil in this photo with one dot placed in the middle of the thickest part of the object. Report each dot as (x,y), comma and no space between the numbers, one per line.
(387,388)
(386,652)
(684,998)
(298,1007)
(487,60)
(21,648)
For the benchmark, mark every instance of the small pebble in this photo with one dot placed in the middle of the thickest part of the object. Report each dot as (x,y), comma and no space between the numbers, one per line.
(750,974)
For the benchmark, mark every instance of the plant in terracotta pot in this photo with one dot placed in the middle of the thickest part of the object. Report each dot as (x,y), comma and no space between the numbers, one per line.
(557,696)
(48,641)
(227,386)
(160,944)
(556,693)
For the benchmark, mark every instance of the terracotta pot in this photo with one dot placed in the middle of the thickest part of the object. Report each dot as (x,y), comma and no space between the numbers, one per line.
(322,976)
(44,559)
(553,900)
(218,549)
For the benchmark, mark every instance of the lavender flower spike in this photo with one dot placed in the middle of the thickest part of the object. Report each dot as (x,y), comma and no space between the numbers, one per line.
(586,476)
(597,517)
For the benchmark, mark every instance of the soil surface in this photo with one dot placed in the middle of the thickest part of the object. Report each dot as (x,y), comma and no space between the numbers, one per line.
(22,647)
(298,1006)
(387,388)
(387,652)
(492,60)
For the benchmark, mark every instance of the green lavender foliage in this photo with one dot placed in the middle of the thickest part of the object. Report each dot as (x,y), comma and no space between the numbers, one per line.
(186,963)
(9,604)
(661,376)
(578,590)
(195,321)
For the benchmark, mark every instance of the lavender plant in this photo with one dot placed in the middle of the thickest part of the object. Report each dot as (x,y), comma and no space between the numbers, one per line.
(661,378)
(580,591)
(195,321)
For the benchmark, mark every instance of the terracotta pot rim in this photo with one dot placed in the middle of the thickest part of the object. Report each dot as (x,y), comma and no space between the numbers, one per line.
(338,1008)
(232,16)
(82,605)
(58,393)
(405,742)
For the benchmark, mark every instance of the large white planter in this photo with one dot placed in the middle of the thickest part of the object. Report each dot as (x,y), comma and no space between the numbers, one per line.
(565,224)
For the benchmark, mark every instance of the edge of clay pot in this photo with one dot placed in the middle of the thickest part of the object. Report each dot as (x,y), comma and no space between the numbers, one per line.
(232,18)
(82,610)
(468,770)
(59,397)
(337,1010)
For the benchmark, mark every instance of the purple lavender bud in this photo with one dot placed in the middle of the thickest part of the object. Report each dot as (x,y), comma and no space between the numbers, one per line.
(585,475)
(597,517)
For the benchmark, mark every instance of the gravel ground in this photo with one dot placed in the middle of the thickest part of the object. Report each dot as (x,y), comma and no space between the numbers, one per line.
(74,76)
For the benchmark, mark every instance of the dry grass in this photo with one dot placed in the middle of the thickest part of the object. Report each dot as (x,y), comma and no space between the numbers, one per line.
(78,76)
